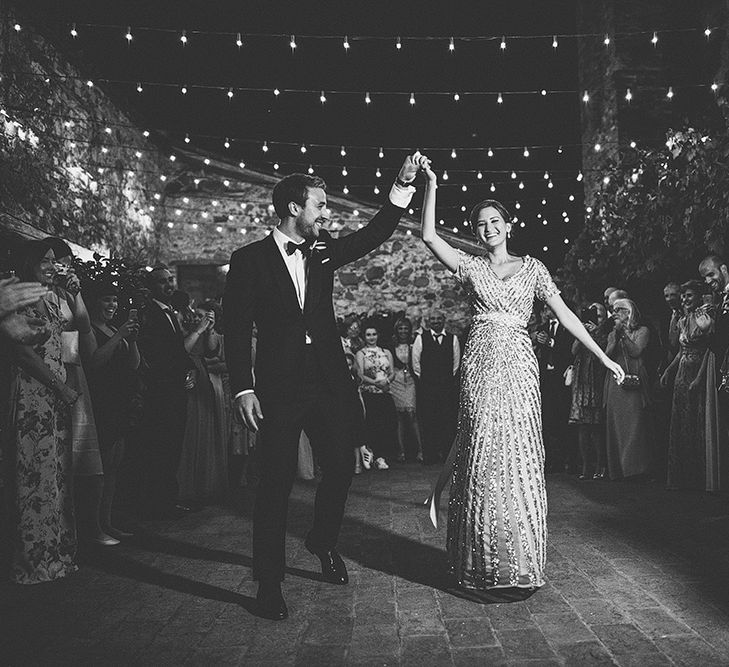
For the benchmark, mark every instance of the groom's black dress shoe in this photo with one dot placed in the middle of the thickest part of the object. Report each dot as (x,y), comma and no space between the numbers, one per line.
(333,568)
(270,603)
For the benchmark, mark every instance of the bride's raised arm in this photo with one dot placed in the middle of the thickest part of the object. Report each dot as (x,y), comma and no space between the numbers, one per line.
(445,252)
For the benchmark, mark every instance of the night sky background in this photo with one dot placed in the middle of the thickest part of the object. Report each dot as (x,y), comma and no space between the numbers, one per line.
(435,124)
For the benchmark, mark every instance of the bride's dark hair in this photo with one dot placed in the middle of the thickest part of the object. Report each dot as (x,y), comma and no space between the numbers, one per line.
(486,203)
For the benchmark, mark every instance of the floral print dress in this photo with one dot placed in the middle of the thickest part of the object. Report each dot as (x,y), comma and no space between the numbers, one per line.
(44,537)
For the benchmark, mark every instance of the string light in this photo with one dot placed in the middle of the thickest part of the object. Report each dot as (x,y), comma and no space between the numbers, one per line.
(451,45)
(412,99)
(628,95)
(453,154)
(343,151)
(585,98)
(456,97)
(276,92)
(669,94)
(230,93)
(139,88)
(345,44)
(502,46)
(606,41)
(292,43)
(707,32)
(183,37)
(367,98)
(500,99)
(128,35)
(74,32)
(238,40)
(398,44)
(322,97)
(526,152)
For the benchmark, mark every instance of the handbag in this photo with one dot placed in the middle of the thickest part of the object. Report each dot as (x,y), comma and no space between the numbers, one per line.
(569,375)
(631,381)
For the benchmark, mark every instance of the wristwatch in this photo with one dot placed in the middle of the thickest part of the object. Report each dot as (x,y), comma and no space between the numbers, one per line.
(402,183)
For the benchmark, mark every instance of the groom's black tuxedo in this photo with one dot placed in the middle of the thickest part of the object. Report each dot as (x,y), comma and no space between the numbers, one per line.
(299,385)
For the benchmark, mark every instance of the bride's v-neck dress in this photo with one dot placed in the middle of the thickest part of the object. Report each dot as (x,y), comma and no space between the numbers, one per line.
(497,514)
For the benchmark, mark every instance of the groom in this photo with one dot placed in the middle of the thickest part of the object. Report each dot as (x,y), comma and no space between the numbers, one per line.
(283,284)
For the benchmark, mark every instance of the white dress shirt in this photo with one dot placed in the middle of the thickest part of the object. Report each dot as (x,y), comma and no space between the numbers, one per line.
(418,351)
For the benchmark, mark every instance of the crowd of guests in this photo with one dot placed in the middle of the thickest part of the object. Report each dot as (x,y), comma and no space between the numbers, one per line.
(668,421)
(121,408)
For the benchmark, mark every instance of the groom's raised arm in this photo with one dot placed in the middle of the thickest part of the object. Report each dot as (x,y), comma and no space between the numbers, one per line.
(353,246)
(238,302)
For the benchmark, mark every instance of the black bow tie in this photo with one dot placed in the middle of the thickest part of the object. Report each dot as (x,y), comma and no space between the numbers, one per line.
(292,247)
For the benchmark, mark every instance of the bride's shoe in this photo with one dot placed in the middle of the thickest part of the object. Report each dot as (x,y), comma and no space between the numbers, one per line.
(432,503)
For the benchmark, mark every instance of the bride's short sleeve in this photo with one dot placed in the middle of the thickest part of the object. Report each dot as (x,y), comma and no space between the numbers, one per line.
(544,287)
(463,272)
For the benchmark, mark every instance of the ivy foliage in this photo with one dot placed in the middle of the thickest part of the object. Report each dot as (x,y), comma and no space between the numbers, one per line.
(656,214)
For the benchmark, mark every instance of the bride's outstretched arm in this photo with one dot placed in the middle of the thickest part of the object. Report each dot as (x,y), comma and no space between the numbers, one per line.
(441,249)
(572,323)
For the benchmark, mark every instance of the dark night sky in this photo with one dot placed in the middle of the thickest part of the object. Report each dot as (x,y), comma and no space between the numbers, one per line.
(435,122)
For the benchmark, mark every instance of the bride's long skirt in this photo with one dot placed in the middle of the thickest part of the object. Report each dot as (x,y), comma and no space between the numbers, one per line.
(497,514)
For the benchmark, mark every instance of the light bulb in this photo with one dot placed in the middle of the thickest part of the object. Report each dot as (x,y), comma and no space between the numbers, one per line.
(292,42)
(381,154)
(412,99)
(451,45)
(502,46)
(264,148)
(343,152)
(74,32)
(526,152)
(139,88)
(230,93)
(606,41)
(445,176)
(346,44)
(238,41)
(453,154)
(479,176)
(500,99)
(303,148)
(628,95)
(555,43)
(128,35)
(490,153)
(669,94)
(276,92)
(344,171)
(456,97)
(367,98)
(585,98)
(398,44)
(183,37)
(654,39)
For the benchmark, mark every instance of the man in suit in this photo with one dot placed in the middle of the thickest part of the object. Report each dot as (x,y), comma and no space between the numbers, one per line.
(284,284)
(436,359)
(170,372)
(554,352)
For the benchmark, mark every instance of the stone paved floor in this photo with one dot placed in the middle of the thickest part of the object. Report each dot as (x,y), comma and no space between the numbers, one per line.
(636,576)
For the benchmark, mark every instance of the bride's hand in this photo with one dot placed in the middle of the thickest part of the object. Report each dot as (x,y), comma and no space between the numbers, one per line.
(616,369)
(428,172)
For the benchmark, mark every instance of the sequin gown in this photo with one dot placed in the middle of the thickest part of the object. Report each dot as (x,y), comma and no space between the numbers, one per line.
(497,513)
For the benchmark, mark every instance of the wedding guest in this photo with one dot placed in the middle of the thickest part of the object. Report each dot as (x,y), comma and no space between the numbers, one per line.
(669,330)
(351,337)
(436,358)
(402,389)
(687,445)
(202,473)
(113,381)
(15,295)
(79,346)
(628,437)
(376,371)
(588,379)
(43,525)
(168,376)
(554,353)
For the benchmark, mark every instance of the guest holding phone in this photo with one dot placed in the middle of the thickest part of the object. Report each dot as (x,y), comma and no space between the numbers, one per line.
(112,381)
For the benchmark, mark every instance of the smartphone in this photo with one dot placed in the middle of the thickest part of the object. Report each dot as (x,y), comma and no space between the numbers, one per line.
(133,315)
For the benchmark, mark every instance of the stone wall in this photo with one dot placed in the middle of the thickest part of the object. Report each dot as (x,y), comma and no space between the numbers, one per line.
(219,207)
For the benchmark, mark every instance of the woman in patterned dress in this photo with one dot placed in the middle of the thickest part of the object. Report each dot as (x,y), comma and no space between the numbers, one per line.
(43,523)
(497,514)
(376,370)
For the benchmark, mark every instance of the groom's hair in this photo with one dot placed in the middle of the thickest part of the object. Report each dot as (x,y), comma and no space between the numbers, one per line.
(486,203)
(293,188)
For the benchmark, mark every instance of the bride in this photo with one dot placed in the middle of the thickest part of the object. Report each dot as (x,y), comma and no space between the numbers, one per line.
(497,513)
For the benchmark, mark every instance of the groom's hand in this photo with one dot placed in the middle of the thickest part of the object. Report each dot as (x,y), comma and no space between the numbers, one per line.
(248,411)
(410,167)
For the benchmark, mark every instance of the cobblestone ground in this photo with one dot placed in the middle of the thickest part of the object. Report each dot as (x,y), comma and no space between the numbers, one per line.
(636,576)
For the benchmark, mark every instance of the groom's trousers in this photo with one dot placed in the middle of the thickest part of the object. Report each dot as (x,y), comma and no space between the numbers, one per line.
(322,413)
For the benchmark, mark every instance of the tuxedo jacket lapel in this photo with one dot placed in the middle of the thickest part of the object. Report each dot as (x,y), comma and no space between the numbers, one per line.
(281,273)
